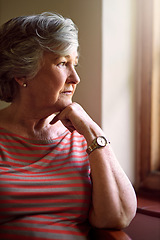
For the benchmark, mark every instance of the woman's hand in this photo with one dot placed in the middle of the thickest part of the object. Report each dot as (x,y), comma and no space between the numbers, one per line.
(74,117)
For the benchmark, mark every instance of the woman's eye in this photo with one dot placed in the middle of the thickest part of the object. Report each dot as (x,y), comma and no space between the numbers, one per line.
(65,64)
(61,64)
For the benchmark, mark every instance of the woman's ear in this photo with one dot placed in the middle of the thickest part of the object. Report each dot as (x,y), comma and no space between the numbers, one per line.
(21,81)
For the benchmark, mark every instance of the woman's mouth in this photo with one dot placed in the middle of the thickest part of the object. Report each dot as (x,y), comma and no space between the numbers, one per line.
(67,92)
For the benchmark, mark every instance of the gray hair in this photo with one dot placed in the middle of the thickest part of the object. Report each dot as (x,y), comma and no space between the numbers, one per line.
(22,43)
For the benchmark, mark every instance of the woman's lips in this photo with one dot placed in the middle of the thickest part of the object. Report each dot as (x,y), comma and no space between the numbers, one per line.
(67,92)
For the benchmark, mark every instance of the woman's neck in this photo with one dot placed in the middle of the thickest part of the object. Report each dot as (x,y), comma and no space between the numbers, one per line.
(28,124)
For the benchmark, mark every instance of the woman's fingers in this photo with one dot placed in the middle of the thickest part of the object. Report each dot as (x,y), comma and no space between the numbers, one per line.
(62,116)
(55,119)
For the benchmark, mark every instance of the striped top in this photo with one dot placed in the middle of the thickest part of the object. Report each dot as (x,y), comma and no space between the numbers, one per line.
(45,187)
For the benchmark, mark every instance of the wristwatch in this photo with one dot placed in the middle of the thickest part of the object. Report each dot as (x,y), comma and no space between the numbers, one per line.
(98,142)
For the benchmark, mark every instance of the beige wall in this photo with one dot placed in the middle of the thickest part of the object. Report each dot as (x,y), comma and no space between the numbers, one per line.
(106,64)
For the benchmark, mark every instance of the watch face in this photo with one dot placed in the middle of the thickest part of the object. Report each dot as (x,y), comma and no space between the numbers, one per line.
(101,141)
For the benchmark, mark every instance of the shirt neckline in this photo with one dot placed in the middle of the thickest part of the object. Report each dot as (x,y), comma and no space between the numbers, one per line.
(29,140)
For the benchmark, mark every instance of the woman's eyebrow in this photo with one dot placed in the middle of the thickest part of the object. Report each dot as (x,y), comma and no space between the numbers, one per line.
(68,56)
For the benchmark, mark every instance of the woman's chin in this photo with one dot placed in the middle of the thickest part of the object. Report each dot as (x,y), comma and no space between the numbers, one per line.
(61,106)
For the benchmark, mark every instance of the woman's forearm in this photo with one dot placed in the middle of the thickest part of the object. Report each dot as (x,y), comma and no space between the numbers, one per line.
(113,197)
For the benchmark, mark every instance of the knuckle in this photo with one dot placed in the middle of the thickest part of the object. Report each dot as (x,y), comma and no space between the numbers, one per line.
(73,106)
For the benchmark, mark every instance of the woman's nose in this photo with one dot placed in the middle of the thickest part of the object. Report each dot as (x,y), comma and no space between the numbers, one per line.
(73,77)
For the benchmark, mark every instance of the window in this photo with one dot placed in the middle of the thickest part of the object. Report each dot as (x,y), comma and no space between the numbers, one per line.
(148,95)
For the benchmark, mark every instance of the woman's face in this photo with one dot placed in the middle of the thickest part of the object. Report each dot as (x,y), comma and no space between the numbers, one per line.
(55,83)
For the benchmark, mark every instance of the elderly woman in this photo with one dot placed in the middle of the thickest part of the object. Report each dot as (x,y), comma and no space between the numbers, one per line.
(58,173)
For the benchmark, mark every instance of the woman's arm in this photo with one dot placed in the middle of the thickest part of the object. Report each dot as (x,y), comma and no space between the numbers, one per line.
(113,197)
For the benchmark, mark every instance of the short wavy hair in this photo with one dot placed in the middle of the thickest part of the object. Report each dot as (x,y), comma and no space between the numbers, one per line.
(22,43)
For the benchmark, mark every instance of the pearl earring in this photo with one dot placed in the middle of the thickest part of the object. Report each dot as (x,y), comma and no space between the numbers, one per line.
(24,84)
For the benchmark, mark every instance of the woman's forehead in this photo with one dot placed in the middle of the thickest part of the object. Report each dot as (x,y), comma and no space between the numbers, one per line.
(71,55)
